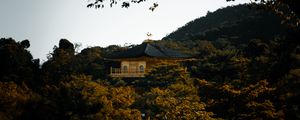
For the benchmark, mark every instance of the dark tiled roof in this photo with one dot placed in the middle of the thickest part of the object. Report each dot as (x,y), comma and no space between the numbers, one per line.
(150,50)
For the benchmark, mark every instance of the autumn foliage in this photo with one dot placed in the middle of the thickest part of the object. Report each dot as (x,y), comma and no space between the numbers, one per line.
(256,79)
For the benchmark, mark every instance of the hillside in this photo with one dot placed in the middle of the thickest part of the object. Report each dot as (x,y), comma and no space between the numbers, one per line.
(244,66)
(237,24)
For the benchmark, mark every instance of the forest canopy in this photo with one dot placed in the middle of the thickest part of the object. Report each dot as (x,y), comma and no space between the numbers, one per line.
(245,66)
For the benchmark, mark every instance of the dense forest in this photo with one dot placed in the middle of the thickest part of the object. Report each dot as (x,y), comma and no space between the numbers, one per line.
(246,66)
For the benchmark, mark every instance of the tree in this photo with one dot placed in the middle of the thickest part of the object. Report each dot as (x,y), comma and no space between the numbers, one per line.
(287,9)
(275,4)
(237,101)
(16,62)
(175,102)
(77,97)
(170,94)
(25,44)
(13,100)
(124,4)
(59,62)
(18,79)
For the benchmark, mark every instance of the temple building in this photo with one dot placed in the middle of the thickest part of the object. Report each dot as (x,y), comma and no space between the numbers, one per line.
(138,60)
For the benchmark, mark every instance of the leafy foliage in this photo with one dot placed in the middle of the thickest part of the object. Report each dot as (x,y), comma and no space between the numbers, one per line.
(124,4)
(236,73)
(236,24)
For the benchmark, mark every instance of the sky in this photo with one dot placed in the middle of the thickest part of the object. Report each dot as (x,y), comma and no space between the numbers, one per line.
(45,22)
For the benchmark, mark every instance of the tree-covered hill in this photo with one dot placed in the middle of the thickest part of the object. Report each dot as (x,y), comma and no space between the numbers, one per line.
(237,24)
(245,66)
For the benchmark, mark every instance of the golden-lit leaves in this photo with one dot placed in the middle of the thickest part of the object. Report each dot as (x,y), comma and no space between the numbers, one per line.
(230,89)
(94,93)
(252,101)
(176,102)
(262,110)
(12,94)
(127,114)
(14,98)
(254,91)
(188,110)
(122,96)
(168,73)
(183,90)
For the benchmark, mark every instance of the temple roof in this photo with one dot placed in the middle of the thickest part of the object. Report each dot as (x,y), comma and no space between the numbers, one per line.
(149,49)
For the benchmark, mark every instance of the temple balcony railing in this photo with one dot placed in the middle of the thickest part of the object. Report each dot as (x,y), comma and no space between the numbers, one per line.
(118,72)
